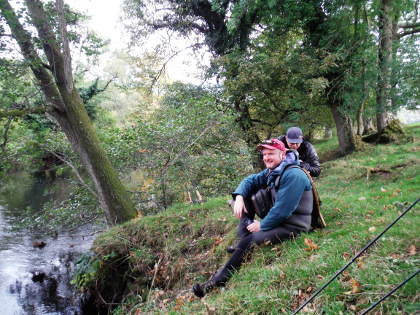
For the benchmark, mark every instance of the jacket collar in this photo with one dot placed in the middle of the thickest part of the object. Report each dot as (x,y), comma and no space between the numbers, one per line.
(291,158)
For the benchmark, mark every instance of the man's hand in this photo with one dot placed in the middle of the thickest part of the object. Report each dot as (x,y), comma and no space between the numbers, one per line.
(239,206)
(254,227)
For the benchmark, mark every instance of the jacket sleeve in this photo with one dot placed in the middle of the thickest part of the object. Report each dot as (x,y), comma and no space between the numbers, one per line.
(311,162)
(251,183)
(292,185)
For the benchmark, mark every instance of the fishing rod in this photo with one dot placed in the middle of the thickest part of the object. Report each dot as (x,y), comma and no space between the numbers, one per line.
(393,290)
(355,257)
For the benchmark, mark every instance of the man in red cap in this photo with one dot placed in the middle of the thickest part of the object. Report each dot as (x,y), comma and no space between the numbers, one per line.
(288,217)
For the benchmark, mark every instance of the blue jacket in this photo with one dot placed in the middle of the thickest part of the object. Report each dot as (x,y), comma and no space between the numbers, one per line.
(292,185)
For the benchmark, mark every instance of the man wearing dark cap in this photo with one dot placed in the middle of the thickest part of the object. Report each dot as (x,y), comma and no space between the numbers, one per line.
(288,217)
(307,154)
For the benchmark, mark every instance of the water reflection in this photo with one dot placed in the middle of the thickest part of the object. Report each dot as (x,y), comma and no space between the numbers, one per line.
(36,280)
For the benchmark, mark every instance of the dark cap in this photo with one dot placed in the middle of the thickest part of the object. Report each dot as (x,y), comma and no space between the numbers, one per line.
(294,135)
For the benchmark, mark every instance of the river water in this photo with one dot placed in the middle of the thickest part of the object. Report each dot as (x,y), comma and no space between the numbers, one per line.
(36,280)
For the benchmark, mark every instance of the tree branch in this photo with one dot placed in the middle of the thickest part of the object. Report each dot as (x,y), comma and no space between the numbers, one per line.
(414,31)
(3,145)
(162,69)
(77,174)
(409,25)
(22,112)
(66,46)
(28,50)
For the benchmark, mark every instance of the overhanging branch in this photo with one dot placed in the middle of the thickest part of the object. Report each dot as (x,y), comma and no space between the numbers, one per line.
(22,112)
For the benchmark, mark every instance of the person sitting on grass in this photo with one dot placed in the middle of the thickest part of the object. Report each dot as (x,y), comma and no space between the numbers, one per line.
(289,216)
(307,154)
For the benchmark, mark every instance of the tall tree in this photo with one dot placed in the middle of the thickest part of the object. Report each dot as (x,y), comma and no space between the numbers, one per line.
(385,53)
(391,31)
(64,102)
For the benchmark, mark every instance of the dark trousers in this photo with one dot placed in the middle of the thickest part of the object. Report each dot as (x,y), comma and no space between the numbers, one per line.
(248,239)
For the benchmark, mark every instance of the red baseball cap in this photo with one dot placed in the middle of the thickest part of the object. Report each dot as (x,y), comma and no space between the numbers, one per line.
(272,144)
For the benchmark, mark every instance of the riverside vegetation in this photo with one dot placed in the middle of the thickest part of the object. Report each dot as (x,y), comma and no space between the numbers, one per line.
(149,264)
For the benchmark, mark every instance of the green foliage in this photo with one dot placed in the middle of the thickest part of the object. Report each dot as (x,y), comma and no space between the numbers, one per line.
(21,149)
(88,268)
(274,90)
(362,194)
(188,143)
(13,84)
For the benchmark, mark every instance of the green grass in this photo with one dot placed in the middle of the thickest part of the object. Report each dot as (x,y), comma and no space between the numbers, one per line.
(362,194)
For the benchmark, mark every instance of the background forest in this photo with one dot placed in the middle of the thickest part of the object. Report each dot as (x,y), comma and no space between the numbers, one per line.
(137,141)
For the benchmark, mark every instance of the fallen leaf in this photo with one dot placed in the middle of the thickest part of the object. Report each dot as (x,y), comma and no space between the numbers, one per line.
(362,198)
(312,257)
(396,192)
(360,264)
(139,215)
(353,308)
(355,288)
(413,250)
(372,229)
(213,248)
(312,245)
(218,240)
(378,197)
(346,255)
(383,189)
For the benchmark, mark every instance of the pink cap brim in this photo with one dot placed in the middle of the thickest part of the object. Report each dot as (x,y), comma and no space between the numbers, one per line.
(261,146)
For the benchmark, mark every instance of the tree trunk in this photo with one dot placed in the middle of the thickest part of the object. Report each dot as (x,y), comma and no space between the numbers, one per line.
(368,126)
(359,116)
(383,98)
(345,135)
(328,132)
(250,136)
(67,107)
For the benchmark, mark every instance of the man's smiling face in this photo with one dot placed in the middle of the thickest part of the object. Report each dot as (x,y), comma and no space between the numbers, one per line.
(272,158)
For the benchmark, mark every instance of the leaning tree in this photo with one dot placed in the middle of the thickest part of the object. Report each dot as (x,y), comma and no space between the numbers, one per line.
(53,74)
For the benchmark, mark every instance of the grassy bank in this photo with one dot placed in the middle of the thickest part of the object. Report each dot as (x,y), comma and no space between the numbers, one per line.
(151,263)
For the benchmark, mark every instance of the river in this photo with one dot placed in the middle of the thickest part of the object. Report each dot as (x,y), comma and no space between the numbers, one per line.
(36,280)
